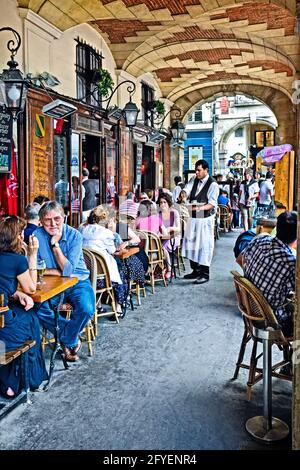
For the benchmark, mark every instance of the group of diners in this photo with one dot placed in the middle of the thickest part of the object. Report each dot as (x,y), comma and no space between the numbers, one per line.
(60,245)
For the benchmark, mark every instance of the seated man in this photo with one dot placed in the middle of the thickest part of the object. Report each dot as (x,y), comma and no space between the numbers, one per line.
(32,218)
(241,244)
(224,201)
(269,263)
(61,247)
(223,198)
(129,207)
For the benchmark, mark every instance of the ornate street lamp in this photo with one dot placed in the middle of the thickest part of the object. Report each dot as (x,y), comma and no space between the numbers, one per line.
(177,130)
(130,110)
(13,86)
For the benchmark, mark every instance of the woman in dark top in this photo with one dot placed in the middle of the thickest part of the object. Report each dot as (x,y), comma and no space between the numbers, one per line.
(137,264)
(20,321)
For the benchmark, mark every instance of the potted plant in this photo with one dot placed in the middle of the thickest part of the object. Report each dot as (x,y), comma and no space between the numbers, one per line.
(159,107)
(104,82)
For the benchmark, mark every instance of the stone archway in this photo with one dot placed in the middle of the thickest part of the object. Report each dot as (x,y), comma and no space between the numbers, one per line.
(278,101)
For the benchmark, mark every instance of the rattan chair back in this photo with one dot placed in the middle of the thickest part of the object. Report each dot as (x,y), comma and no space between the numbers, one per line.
(154,251)
(224,216)
(102,273)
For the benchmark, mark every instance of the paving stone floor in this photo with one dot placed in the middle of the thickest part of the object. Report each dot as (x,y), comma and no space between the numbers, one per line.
(159,380)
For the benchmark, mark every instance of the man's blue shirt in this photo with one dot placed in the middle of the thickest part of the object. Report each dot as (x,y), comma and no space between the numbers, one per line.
(71,246)
(223,200)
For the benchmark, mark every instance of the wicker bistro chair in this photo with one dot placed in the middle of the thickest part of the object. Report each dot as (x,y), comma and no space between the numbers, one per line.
(217,224)
(224,217)
(178,256)
(154,251)
(136,289)
(102,272)
(255,308)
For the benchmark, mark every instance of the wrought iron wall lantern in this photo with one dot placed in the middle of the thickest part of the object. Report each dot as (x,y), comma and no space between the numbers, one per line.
(13,85)
(130,110)
(177,129)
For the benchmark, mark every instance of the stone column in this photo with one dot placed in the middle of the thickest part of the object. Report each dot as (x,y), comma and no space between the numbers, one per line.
(177,160)
(296,385)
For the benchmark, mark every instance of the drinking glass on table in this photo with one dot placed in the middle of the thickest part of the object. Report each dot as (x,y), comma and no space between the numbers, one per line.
(41,268)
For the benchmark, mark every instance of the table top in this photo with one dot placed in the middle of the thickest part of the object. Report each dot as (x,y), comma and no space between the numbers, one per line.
(169,236)
(266,222)
(53,285)
(127,252)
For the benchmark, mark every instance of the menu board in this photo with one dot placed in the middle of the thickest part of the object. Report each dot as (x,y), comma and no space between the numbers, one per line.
(61,170)
(41,157)
(139,160)
(6,122)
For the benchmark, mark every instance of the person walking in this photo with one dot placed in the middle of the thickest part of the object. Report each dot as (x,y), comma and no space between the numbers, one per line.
(178,187)
(249,191)
(266,191)
(198,241)
(89,200)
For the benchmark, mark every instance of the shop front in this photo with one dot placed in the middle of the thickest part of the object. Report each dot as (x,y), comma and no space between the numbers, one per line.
(56,150)
(8,166)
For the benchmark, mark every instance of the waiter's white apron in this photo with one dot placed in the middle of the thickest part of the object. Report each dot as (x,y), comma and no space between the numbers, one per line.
(198,242)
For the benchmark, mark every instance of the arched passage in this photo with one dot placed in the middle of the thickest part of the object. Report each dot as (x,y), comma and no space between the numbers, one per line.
(277,101)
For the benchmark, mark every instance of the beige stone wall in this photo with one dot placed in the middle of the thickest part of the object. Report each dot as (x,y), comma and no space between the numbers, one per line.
(9,18)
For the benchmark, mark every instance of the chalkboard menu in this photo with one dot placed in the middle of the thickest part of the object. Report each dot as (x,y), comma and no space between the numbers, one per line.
(6,122)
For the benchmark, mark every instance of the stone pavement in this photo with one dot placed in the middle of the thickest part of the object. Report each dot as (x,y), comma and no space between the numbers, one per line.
(159,380)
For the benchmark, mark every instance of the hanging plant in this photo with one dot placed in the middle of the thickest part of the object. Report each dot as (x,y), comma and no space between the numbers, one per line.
(159,107)
(105,82)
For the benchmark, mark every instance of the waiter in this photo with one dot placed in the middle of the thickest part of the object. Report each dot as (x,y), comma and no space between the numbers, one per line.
(198,241)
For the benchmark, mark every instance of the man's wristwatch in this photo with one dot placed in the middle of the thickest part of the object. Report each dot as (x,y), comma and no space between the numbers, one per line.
(55,245)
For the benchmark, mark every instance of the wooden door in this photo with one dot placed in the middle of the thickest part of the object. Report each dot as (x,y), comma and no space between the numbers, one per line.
(284,180)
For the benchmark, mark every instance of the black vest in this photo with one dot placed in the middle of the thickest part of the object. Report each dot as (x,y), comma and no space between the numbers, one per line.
(202,196)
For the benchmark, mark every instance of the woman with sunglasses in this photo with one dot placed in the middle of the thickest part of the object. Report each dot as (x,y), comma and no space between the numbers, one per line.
(20,321)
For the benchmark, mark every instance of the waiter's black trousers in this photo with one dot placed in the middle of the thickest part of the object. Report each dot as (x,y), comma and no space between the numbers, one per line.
(199,268)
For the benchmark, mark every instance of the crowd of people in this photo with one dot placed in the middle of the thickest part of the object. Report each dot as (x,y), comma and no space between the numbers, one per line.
(248,199)
(269,262)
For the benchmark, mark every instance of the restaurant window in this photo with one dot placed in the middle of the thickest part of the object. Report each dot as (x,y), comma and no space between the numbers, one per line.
(264,138)
(88,60)
(147,100)
(198,116)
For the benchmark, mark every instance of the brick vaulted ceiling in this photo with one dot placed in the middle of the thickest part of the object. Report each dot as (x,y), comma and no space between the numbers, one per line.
(191,44)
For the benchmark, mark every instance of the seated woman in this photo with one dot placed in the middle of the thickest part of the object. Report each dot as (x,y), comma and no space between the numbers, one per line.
(97,237)
(148,218)
(180,205)
(136,264)
(21,322)
(170,220)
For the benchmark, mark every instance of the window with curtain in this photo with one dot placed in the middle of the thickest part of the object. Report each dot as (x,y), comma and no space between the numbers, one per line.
(88,60)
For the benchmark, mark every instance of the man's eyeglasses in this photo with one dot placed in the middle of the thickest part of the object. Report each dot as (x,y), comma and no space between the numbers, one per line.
(56,220)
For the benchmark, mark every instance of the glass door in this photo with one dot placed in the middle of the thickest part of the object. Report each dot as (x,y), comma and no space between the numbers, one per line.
(77,189)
